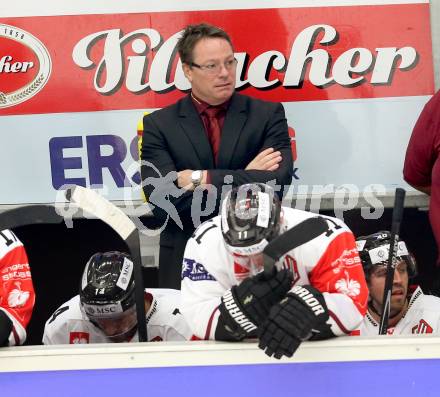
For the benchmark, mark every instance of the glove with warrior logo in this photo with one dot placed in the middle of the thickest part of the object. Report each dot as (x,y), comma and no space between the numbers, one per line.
(245,306)
(300,315)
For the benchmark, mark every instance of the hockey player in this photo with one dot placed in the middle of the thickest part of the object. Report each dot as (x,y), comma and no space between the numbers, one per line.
(318,290)
(17,296)
(105,309)
(414,313)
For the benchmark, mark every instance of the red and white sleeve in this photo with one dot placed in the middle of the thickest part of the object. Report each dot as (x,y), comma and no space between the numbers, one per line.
(17,295)
(339,276)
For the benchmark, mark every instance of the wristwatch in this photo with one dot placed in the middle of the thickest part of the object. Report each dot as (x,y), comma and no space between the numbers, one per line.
(196,178)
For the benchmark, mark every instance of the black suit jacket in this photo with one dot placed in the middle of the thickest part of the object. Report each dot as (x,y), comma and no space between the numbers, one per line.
(174,139)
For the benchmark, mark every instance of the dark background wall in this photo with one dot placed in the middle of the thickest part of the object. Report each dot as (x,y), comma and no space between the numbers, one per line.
(57,255)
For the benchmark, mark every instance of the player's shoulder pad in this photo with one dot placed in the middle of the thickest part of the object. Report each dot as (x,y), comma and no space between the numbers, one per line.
(208,235)
(427,302)
(8,241)
(69,310)
(172,295)
(166,306)
(293,217)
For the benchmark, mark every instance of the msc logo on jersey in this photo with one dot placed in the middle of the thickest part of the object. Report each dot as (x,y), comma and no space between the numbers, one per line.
(25,65)
(195,271)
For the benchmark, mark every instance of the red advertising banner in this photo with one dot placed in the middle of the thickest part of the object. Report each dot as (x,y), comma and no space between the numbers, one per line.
(80,63)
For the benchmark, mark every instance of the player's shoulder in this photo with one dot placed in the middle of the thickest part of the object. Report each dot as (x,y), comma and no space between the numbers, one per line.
(165,306)
(216,220)
(432,301)
(167,295)
(426,302)
(69,310)
(205,252)
(8,242)
(337,238)
(7,233)
(294,216)
(208,234)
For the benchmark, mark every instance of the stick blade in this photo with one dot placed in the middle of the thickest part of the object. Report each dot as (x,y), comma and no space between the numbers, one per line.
(96,205)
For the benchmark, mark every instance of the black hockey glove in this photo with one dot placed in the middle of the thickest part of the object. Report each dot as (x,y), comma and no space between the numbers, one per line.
(5,328)
(292,320)
(245,306)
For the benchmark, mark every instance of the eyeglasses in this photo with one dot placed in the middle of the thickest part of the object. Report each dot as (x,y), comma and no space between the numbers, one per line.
(215,68)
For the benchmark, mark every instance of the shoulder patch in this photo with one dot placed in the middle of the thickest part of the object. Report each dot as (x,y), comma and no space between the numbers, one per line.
(195,271)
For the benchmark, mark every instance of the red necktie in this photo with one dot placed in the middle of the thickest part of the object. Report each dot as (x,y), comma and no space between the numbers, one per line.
(213,129)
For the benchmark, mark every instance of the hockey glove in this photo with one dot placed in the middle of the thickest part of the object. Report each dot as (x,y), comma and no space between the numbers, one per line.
(5,328)
(245,306)
(292,320)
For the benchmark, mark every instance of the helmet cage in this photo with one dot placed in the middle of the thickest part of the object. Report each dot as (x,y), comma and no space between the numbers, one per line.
(250,218)
(119,328)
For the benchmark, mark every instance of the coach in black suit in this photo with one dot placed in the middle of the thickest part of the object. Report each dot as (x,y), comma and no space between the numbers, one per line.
(212,138)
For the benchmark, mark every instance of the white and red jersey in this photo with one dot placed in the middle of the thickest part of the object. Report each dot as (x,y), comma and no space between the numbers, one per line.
(329,262)
(422,317)
(17,296)
(165,322)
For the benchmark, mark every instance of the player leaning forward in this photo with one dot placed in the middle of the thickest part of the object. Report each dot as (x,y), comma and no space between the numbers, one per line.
(317,291)
(105,309)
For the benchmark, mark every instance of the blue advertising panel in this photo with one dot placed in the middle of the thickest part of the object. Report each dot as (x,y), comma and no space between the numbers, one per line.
(359,378)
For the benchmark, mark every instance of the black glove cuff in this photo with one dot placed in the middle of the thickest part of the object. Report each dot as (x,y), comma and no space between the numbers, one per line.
(317,310)
(5,328)
(232,307)
(233,324)
(296,318)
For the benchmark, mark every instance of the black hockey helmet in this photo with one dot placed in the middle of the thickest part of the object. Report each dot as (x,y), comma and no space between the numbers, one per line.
(374,249)
(107,285)
(250,218)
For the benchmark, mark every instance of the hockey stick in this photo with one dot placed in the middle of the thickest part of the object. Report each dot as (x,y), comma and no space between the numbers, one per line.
(29,215)
(96,205)
(298,235)
(391,265)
